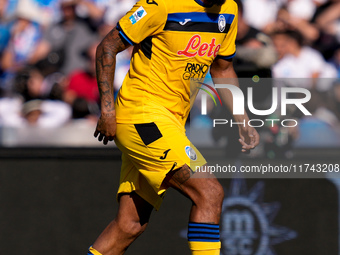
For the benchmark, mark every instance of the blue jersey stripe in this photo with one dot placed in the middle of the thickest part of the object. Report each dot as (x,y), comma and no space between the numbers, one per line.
(121,32)
(126,38)
(199,17)
(227,57)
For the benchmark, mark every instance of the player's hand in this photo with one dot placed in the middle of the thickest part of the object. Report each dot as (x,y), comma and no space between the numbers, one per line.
(249,138)
(106,127)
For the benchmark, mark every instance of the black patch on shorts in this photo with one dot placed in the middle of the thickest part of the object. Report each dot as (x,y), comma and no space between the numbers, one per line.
(148,132)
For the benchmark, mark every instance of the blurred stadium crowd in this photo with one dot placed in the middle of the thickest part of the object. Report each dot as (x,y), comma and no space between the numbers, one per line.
(47,54)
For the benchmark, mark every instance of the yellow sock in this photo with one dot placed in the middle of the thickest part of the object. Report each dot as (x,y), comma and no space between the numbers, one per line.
(204,238)
(205,248)
(93,251)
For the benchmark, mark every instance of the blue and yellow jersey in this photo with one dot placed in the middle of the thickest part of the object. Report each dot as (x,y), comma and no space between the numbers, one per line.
(174,41)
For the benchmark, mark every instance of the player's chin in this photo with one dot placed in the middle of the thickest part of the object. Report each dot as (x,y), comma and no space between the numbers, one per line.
(217,2)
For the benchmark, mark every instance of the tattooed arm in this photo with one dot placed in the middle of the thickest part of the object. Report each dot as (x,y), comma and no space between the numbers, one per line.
(105,70)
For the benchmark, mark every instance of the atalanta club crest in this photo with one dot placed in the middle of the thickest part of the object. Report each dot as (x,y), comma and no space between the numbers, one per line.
(221,23)
(190,153)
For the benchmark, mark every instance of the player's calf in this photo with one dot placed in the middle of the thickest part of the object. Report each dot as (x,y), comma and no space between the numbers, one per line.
(206,194)
(203,230)
(132,219)
(117,237)
(207,201)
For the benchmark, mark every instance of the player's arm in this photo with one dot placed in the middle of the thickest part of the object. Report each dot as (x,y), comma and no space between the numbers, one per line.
(221,68)
(106,54)
(145,19)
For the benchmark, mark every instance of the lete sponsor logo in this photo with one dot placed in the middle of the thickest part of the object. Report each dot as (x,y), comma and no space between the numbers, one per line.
(195,47)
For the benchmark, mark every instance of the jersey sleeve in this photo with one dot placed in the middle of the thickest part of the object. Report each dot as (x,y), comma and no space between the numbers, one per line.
(146,18)
(228,47)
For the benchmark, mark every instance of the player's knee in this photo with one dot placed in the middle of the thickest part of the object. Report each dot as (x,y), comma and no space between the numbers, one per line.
(211,197)
(132,228)
(217,195)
